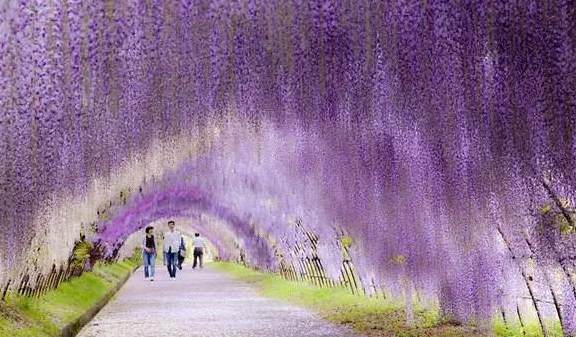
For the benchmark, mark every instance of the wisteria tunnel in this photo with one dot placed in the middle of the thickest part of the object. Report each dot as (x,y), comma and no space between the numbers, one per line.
(416,147)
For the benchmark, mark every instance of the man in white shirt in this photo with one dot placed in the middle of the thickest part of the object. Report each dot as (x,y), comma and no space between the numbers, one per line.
(199,246)
(172,240)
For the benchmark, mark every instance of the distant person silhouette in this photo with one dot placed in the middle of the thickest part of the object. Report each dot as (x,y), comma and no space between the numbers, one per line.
(172,241)
(149,253)
(199,246)
(181,253)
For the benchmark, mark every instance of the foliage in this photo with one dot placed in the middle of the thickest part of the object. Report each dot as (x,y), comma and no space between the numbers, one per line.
(81,253)
(346,241)
(369,316)
(420,128)
(46,315)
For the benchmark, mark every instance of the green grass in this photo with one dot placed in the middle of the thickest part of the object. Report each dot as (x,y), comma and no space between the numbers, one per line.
(531,329)
(368,316)
(47,315)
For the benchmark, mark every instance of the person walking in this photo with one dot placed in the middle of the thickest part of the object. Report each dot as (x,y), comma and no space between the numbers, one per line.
(181,253)
(172,241)
(149,253)
(199,246)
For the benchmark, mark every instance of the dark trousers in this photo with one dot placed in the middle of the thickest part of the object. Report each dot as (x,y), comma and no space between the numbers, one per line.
(171,260)
(198,255)
(180,261)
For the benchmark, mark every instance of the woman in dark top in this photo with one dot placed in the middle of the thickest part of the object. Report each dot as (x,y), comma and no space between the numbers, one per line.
(149,253)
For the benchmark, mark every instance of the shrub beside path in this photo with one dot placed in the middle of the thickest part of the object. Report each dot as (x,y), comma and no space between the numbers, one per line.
(205,303)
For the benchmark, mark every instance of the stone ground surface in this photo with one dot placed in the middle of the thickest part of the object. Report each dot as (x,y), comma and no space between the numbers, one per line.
(203,303)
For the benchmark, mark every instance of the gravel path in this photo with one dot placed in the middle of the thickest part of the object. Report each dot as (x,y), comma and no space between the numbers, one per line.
(203,303)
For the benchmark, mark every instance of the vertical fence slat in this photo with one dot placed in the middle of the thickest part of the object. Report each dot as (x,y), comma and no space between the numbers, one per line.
(34,291)
(520,320)
(23,284)
(6,290)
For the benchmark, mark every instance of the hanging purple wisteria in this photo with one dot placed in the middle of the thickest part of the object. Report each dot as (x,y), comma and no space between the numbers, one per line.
(434,140)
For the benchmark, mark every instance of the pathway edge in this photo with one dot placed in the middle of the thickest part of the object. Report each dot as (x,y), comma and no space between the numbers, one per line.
(72,329)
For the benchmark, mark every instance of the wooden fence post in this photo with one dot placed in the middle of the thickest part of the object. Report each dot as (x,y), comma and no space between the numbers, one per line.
(6,290)
(23,284)
(49,285)
(348,268)
(346,279)
(318,271)
(34,291)
(310,271)
(59,277)
(28,289)
(521,320)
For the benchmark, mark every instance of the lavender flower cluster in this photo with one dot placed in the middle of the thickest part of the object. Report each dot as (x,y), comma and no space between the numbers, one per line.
(440,136)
